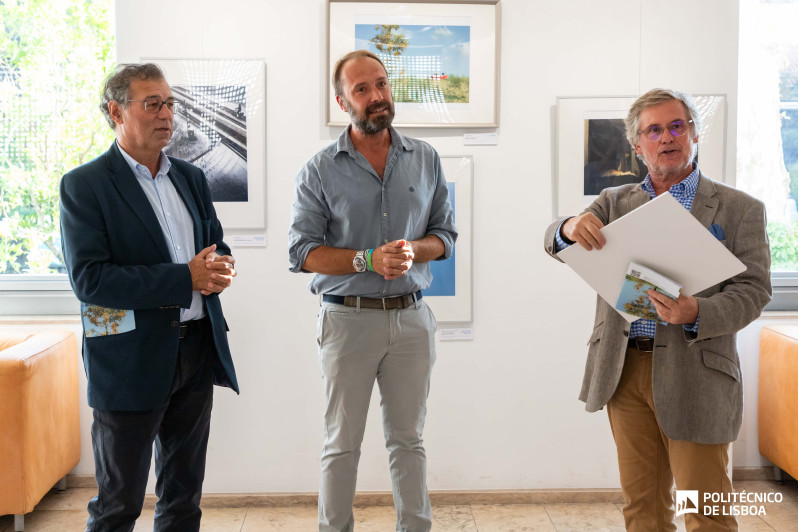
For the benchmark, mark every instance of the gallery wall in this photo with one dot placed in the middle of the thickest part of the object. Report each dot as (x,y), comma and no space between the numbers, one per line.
(503,412)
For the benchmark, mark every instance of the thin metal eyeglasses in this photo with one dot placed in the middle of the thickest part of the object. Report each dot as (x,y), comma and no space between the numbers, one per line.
(677,128)
(153,105)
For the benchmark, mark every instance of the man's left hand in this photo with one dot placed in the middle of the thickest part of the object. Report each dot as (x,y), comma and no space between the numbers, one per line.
(214,261)
(682,311)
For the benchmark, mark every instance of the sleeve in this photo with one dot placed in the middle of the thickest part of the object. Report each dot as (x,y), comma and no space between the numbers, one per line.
(441,217)
(95,278)
(310,217)
(216,233)
(742,298)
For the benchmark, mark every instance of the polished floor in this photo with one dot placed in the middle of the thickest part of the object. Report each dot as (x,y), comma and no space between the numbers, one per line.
(67,513)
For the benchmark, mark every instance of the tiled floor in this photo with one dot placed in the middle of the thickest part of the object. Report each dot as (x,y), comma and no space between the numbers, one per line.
(67,513)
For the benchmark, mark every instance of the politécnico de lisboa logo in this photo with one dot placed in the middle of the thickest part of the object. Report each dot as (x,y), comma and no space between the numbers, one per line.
(686,502)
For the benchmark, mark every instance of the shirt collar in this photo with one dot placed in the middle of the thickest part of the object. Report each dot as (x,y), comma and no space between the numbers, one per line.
(164,163)
(686,186)
(345,141)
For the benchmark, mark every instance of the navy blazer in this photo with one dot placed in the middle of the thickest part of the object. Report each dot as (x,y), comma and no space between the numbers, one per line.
(117,258)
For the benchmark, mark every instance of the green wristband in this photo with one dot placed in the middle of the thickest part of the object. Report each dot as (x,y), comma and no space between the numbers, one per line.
(368,260)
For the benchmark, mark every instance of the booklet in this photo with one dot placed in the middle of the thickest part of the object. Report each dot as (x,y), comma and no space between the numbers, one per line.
(634,299)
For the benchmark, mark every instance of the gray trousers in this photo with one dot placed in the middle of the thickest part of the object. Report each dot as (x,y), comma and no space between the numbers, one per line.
(397,347)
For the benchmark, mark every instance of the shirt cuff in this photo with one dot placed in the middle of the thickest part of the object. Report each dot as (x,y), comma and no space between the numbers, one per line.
(692,328)
(559,242)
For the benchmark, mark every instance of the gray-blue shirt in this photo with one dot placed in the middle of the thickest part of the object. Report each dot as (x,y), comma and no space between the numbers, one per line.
(175,220)
(341,202)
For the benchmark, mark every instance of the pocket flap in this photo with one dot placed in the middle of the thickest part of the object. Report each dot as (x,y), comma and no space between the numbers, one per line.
(721,363)
(596,336)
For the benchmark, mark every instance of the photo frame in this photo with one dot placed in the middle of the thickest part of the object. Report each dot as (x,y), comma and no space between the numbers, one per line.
(442,58)
(593,153)
(220,126)
(449,295)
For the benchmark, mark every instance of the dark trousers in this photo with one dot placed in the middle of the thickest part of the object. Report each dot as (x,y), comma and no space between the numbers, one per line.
(123,443)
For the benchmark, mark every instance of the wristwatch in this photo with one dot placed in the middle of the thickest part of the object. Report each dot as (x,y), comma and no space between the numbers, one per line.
(359,262)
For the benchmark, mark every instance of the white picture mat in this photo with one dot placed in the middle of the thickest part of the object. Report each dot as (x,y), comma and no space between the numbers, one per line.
(571,115)
(482,109)
(251,74)
(681,249)
(457,308)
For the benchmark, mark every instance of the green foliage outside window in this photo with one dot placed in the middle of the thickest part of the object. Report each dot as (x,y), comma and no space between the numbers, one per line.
(54,55)
(783,250)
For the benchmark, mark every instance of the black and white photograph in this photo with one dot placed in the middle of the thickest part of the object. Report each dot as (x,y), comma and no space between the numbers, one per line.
(220,126)
(211,132)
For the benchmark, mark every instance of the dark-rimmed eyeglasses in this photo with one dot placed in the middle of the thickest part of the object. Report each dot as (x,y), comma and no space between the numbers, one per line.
(677,128)
(153,104)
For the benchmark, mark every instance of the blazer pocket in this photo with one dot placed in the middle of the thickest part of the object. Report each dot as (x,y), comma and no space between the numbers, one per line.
(720,363)
(103,321)
(596,336)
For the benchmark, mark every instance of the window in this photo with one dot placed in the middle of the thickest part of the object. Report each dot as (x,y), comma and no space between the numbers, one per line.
(53,58)
(767,132)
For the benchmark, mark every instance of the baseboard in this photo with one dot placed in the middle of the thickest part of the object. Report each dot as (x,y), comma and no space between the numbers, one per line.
(753,473)
(437,497)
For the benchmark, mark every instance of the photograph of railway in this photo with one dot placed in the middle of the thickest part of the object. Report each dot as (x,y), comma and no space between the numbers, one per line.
(211,132)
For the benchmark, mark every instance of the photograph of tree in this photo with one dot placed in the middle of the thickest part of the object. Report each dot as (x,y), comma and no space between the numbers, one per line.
(102,321)
(610,160)
(211,132)
(636,302)
(425,63)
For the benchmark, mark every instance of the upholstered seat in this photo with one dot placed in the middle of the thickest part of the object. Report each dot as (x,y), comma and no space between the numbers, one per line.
(39,417)
(778,402)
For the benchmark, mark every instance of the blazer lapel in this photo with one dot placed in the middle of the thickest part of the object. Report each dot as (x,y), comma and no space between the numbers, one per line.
(179,181)
(636,198)
(130,190)
(705,204)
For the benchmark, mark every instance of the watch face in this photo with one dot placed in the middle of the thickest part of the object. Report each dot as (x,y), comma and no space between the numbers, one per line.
(359,263)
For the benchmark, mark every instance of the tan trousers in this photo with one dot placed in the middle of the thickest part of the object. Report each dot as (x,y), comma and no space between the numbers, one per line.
(649,461)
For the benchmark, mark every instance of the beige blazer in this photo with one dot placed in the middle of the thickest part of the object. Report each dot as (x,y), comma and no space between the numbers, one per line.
(697,383)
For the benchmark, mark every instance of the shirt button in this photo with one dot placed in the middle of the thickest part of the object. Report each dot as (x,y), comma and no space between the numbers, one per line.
(385,214)
(385,241)
(169,214)
(174,324)
(178,247)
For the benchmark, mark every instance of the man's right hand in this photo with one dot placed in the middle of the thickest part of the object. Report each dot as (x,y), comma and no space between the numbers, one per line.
(207,280)
(393,259)
(585,230)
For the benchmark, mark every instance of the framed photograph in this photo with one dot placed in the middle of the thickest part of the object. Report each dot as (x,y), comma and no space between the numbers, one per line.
(593,153)
(220,126)
(442,58)
(449,295)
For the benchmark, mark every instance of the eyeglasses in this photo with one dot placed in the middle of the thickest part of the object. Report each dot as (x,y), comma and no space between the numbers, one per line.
(153,104)
(677,128)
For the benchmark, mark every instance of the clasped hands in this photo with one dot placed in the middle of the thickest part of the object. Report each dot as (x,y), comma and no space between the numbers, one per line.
(210,272)
(393,259)
(585,230)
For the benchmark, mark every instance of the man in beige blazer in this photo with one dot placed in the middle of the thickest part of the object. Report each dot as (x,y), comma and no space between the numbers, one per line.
(673,392)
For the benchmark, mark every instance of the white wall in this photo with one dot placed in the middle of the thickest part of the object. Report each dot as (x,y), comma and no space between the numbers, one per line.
(503,411)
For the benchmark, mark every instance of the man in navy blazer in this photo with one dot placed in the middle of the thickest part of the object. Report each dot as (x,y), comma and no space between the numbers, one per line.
(145,256)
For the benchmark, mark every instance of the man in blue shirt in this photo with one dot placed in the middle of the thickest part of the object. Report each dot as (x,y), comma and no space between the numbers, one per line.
(673,392)
(145,256)
(370,211)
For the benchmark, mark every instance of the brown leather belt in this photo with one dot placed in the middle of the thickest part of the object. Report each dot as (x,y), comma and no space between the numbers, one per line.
(642,343)
(384,303)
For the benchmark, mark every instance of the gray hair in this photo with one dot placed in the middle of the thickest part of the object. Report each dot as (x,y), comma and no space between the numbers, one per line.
(339,65)
(117,85)
(656,97)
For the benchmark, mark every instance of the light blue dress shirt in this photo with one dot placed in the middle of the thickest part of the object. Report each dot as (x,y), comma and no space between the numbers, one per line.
(174,218)
(340,201)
